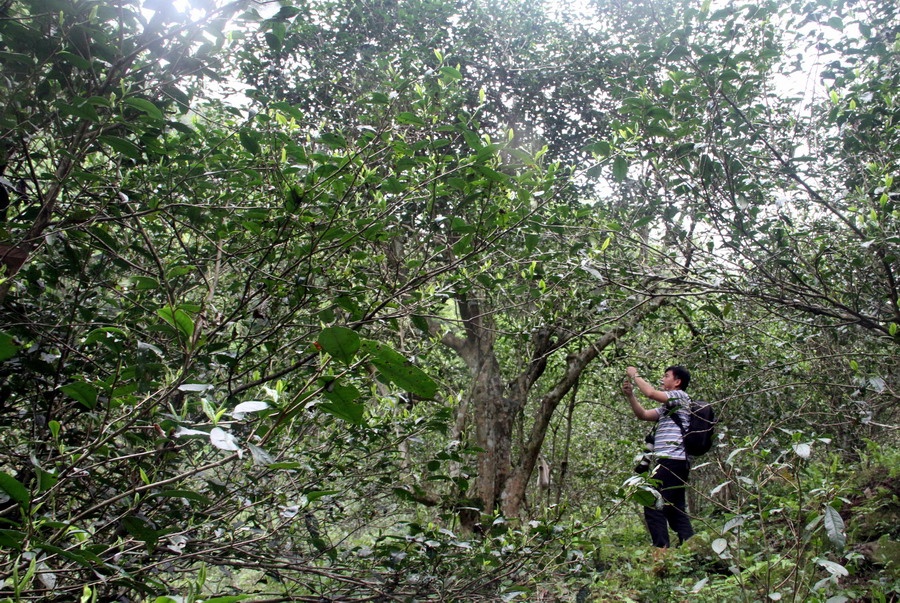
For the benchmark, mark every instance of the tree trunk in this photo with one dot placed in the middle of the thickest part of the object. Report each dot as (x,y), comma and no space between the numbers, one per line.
(493,410)
(495,417)
(564,462)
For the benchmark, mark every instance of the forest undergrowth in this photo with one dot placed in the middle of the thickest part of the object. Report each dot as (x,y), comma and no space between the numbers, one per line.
(796,531)
(824,532)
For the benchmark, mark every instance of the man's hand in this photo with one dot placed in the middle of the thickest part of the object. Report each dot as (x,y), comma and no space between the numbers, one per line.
(631,372)
(639,411)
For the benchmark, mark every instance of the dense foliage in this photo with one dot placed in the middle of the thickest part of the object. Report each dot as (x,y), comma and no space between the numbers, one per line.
(331,300)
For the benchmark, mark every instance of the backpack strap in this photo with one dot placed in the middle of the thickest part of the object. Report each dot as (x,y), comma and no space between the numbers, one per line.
(678,421)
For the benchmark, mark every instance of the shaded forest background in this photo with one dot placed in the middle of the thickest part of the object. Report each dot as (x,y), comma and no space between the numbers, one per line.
(331,301)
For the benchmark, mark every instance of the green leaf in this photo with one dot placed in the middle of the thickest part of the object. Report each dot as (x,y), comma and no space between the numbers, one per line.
(14,488)
(451,74)
(46,480)
(473,140)
(101,233)
(186,494)
(492,174)
(18,59)
(404,494)
(79,556)
(179,319)
(342,401)
(84,393)
(620,168)
(8,348)
(420,323)
(111,337)
(410,119)
(834,528)
(260,456)
(332,140)
(709,167)
(12,539)
(338,392)
(288,465)
(595,171)
(346,411)
(657,129)
(181,127)
(75,60)
(644,497)
(314,495)
(144,283)
(396,368)
(123,146)
(83,110)
(285,13)
(463,245)
(342,343)
(142,104)
(600,148)
(140,529)
(275,36)
(289,110)
(657,112)
(250,141)
(459,225)
(293,198)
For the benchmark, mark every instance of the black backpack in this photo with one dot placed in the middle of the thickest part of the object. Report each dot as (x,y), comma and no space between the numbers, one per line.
(698,435)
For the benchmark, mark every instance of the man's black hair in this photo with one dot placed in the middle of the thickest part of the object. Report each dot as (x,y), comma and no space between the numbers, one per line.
(679,372)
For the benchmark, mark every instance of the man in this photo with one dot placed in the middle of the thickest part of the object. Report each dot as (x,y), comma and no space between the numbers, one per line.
(672,464)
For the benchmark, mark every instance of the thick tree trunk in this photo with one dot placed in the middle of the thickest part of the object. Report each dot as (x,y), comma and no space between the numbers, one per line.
(493,410)
(494,419)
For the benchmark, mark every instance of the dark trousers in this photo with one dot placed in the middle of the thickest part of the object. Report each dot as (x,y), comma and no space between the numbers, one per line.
(672,475)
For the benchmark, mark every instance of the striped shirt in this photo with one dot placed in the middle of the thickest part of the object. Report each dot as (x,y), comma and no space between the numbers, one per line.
(669,442)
